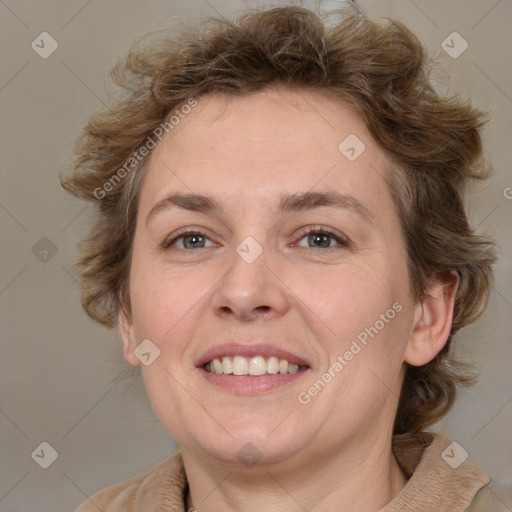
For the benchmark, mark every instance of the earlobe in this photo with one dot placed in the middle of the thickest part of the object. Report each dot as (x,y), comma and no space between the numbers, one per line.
(432,321)
(128,338)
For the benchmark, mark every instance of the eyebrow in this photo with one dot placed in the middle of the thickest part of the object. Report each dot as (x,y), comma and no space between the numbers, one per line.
(287,204)
(310,200)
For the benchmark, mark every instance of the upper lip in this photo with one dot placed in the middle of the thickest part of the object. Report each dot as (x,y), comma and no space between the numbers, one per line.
(234,349)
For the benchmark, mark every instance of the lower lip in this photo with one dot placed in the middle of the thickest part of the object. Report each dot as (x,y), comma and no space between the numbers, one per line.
(249,385)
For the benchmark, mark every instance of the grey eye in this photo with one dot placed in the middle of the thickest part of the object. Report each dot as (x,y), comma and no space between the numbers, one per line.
(319,240)
(190,241)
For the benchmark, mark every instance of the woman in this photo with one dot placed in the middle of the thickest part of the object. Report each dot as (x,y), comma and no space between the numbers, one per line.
(282,244)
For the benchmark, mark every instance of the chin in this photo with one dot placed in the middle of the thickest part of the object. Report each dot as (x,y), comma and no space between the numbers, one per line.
(250,445)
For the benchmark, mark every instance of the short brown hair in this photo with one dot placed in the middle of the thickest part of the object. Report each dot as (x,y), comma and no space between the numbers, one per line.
(380,69)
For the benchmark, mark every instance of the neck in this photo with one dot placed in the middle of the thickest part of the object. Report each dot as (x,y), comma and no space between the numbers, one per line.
(336,481)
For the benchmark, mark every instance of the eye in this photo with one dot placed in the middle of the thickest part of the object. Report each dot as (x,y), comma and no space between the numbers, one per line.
(321,238)
(188,240)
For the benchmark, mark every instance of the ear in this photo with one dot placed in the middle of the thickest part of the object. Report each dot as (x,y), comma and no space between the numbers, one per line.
(432,321)
(128,338)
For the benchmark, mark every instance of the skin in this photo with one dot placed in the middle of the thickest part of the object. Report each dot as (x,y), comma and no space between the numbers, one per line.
(247,152)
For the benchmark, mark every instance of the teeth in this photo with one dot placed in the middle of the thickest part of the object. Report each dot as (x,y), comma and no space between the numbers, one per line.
(273,366)
(240,366)
(217,366)
(255,366)
(227,365)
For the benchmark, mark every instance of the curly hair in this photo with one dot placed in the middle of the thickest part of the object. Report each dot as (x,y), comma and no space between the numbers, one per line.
(379,68)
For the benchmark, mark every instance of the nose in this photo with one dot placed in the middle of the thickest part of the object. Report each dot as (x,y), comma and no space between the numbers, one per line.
(250,291)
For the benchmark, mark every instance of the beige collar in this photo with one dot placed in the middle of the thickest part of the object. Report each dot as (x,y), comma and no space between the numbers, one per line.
(426,458)
(437,482)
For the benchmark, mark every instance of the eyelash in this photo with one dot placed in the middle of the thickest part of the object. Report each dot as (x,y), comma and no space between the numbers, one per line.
(304,232)
(321,230)
(168,242)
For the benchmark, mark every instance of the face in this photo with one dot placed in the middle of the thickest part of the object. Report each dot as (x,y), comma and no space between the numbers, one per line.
(269,270)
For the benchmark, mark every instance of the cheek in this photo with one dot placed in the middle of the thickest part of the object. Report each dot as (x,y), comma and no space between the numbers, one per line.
(367,314)
(349,298)
(165,304)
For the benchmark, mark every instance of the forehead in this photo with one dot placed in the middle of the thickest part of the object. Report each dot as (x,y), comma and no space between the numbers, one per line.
(255,148)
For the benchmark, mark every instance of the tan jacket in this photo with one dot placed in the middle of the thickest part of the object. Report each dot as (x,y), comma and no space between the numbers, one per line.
(433,485)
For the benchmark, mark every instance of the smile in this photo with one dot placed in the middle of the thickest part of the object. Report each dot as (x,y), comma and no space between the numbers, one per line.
(256,366)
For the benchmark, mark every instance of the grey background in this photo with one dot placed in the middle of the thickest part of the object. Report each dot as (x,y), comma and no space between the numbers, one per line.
(58,369)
